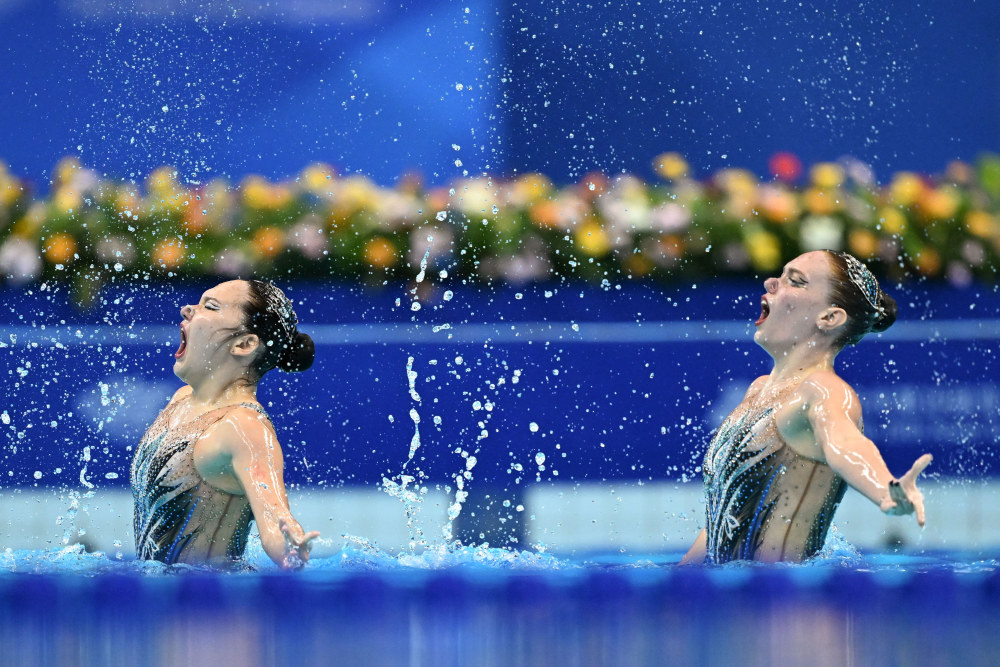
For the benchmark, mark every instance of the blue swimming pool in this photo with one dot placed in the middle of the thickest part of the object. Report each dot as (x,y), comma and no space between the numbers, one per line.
(487,607)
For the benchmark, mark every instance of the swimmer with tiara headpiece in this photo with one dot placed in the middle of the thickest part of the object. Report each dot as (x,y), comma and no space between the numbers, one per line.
(210,464)
(779,465)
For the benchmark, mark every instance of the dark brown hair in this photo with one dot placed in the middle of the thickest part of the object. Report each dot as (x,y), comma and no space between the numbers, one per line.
(863,316)
(268,313)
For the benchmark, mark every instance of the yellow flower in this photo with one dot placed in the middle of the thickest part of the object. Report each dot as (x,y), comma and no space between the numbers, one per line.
(317,178)
(66,169)
(981,224)
(162,181)
(10,188)
(827,175)
(939,203)
(764,249)
(60,249)
(380,253)
(862,243)
(168,253)
(905,189)
(591,239)
(671,166)
(529,188)
(28,226)
(356,193)
(821,202)
(892,220)
(67,201)
(268,242)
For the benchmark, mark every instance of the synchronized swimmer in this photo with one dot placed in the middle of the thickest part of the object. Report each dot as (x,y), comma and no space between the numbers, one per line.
(210,464)
(774,472)
(779,465)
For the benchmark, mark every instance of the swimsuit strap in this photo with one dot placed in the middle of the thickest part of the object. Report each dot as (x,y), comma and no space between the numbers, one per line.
(255,407)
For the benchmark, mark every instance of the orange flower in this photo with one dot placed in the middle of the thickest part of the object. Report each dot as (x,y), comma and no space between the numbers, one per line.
(927,261)
(671,166)
(939,203)
(168,253)
(778,204)
(545,213)
(380,253)
(196,218)
(821,202)
(60,249)
(863,244)
(638,264)
(268,242)
(672,246)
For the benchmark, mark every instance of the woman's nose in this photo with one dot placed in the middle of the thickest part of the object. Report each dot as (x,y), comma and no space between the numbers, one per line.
(186,312)
(771,285)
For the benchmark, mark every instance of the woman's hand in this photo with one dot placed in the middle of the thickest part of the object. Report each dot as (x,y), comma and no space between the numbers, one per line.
(297,544)
(904,496)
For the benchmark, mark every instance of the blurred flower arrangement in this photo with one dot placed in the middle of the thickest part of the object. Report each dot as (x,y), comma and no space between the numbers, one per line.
(90,230)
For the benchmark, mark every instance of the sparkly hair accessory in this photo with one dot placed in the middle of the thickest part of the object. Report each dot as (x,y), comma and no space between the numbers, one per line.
(281,305)
(864,281)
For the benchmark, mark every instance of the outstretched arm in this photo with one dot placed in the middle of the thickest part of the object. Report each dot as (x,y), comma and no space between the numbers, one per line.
(696,554)
(258,465)
(834,415)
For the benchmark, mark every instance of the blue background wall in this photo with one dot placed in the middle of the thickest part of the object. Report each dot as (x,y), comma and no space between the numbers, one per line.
(632,392)
(562,87)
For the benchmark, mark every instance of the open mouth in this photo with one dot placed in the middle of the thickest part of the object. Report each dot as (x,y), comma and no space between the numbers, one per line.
(765,310)
(183,346)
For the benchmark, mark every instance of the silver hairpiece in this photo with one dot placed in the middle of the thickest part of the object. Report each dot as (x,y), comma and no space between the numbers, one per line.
(281,305)
(865,281)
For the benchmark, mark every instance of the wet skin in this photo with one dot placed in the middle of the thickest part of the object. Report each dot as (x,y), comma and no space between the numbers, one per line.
(816,415)
(238,454)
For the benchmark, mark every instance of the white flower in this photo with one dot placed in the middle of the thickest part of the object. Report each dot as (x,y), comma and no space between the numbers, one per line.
(671,217)
(20,260)
(821,232)
(232,262)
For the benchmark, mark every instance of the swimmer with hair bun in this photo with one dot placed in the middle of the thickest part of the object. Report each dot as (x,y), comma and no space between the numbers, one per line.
(210,464)
(779,465)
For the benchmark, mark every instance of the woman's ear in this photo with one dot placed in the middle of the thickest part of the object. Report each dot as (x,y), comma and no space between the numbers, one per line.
(245,345)
(832,319)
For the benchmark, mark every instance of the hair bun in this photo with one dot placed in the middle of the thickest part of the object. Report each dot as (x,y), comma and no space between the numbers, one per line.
(888,316)
(300,355)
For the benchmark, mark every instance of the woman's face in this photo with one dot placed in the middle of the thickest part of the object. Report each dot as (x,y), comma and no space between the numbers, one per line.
(208,328)
(794,302)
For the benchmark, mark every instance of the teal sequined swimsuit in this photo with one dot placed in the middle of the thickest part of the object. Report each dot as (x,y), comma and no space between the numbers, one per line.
(764,501)
(178,516)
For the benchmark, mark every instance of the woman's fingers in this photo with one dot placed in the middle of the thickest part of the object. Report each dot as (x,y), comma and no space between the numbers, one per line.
(918,467)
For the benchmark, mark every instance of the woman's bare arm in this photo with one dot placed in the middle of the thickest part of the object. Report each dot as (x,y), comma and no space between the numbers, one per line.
(696,554)
(834,413)
(258,465)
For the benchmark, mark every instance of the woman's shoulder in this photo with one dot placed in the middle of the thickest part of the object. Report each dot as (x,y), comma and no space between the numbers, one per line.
(180,394)
(825,384)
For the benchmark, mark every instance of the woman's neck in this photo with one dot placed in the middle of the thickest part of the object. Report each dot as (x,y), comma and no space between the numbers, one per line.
(801,360)
(213,394)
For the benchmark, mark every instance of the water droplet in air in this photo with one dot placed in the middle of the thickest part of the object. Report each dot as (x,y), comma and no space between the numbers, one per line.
(533,427)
